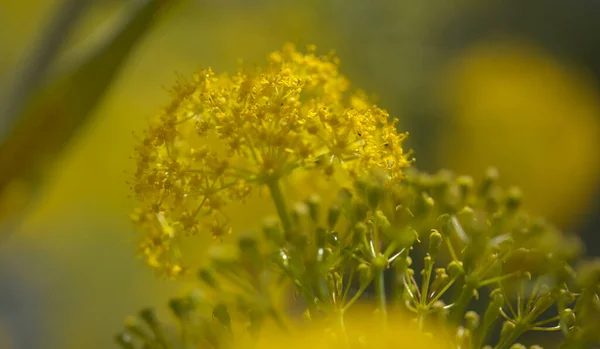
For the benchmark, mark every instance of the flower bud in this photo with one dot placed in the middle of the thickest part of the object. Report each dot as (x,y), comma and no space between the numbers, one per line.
(567,318)
(149,316)
(465,183)
(248,244)
(124,340)
(379,263)
(333,238)
(427,201)
(314,205)
(427,263)
(206,276)
(320,236)
(300,212)
(518,346)
(133,327)
(359,233)
(272,231)
(382,220)
(507,329)
(497,297)
(493,310)
(454,268)
(181,307)
(513,199)
(360,211)
(374,194)
(364,275)
(439,308)
(471,320)
(491,177)
(332,216)
(222,315)
(435,243)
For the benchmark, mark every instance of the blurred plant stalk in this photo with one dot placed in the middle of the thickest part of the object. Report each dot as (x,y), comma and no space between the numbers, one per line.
(50,100)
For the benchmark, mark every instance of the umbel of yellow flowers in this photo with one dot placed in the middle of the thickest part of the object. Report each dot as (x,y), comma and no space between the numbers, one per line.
(223,136)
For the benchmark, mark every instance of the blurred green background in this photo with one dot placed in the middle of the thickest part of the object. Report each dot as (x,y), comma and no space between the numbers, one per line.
(475,83)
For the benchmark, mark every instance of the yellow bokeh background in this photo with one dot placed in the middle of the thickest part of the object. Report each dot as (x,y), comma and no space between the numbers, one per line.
(513,106)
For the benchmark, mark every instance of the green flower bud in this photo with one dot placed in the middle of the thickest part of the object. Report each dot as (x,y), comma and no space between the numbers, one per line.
(427,263)
(333,238)
(507,328)
(206,276)
(359,233)
(382,220)
(133,328)
(374,194)
(518,346)
(428,201)
(300,212)
(567,318)
(248,244)
(124,340)
(314,205)
(181,307)
(471,320)
(149,317)
(222,315)
(320,236)
(379,263)
(332,216)
(364,275)
(566,297)
(497,298)
(465,183)
(493,310)
(435,243)
(491,177)
(361,186)
(439,308)
(454,268)
(272,231)
(463,335)
(284,259)
(360,211)
(513,199)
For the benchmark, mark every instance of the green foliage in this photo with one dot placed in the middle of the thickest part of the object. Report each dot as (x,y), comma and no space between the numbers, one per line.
(51,100)
(461,257)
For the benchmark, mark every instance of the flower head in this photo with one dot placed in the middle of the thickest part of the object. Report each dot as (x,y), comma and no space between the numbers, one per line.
(224,135)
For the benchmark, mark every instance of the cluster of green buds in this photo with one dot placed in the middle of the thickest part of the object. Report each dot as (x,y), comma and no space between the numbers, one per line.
(460,258)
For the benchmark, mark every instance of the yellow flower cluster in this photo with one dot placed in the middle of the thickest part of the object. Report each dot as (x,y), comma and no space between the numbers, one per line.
(223,136)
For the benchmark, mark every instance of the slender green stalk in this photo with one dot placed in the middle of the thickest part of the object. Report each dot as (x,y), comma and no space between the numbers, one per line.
(380,293)
(38,64)
(343,330)
(458,309)
(280,204)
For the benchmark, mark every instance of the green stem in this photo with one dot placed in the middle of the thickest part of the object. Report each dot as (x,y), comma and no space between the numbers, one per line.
(425,286)
(345,337)
(280,204)
(506,342)
(380,293)
(458,308)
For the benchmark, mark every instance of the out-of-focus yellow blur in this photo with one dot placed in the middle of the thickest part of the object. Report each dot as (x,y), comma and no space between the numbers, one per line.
(515,107)
(76,245)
